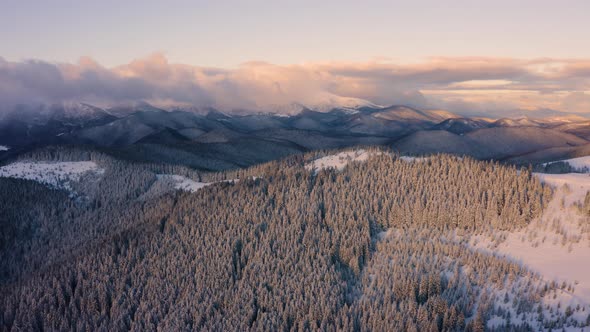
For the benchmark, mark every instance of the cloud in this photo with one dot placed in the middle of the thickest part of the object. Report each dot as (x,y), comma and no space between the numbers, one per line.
(576,101)
(463,84)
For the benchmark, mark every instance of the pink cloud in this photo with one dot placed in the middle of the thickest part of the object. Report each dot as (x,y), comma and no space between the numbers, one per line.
(476,82)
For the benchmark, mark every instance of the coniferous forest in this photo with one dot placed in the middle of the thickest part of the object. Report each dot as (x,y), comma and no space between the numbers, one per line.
(376,246)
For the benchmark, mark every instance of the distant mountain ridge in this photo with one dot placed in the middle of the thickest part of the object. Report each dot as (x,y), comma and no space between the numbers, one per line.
(206,136)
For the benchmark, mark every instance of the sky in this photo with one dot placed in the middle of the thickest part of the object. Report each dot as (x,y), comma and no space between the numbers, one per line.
(465,55)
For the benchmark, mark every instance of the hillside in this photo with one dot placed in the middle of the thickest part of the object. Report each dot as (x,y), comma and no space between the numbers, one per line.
(231,243)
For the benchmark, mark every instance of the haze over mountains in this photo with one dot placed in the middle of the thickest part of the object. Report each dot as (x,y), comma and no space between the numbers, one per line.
(208,139)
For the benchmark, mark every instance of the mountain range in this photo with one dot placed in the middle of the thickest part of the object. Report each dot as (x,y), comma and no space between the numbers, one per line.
(208,139)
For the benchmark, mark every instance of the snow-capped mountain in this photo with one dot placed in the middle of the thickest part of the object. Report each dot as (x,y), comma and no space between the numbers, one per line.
(69,113)
(327,102)
(322,103)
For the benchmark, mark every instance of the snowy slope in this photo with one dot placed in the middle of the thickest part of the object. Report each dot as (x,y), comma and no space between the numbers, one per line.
(59,175)
(323,102)
(556,245)
(326,102)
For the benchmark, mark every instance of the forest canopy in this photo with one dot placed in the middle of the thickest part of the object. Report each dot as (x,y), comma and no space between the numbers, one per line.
(368,247)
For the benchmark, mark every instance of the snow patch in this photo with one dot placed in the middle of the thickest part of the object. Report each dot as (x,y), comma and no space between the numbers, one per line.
(183,183)
(58,175)
(4,148)
(412,159)
(326,102)
(340,160)
(280,115)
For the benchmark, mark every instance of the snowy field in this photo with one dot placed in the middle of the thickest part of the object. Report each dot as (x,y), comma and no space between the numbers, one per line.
(59,175)
(556,245)
(4,148)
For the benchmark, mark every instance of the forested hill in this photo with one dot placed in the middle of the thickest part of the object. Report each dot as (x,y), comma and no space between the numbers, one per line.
(374,246)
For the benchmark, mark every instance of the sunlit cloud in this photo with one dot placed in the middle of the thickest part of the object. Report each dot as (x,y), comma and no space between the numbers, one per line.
(481,84)
(465,84)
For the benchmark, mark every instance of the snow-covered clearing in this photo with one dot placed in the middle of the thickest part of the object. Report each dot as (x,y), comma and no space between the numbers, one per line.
(581,163)
(338,161)
(180,182)
(412,159)
(556,245)
(183,183)
(59,175)
(4,148)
